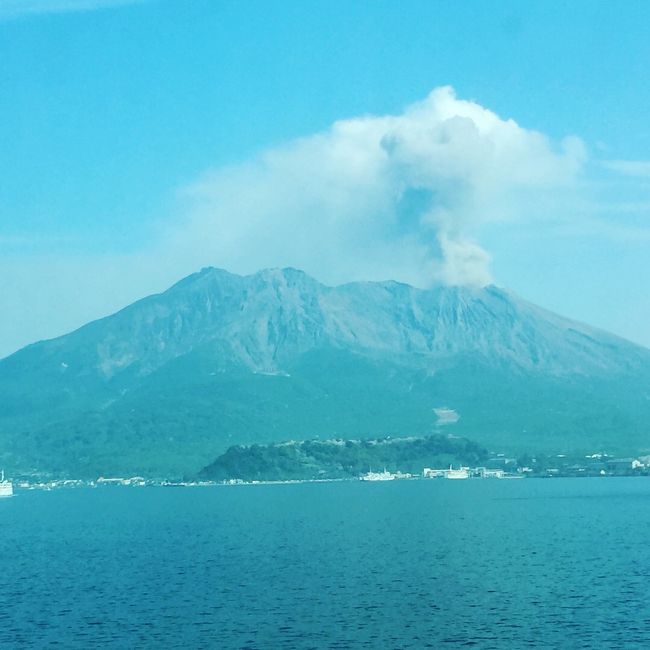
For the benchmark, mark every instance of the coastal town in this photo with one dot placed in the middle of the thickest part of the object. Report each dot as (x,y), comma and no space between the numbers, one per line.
(499,466)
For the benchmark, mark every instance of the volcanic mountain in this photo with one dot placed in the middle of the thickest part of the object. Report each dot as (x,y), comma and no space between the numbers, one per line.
(167,384)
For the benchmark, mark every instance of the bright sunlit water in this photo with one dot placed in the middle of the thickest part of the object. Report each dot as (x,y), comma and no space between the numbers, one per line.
(490,564)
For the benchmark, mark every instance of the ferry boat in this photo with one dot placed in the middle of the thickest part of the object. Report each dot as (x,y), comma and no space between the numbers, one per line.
(378,476)
(6,487)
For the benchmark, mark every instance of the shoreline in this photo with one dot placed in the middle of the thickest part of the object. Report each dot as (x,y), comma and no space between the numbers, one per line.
(75,484)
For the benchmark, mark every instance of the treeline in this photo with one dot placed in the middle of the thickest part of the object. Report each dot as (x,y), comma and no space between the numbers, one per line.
(312,459)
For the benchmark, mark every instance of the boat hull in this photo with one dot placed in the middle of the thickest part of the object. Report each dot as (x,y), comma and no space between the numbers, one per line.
(6,490)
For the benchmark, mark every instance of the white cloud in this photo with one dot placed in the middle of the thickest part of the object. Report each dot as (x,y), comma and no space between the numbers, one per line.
(635,168)
(376,197)
(14,8)
(403,197)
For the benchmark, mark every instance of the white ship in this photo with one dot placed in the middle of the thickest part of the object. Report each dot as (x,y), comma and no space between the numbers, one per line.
(378,476)
(6,487)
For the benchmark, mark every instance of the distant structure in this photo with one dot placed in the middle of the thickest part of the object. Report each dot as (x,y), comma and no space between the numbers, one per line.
(463,473)
(6,487)
(378,476)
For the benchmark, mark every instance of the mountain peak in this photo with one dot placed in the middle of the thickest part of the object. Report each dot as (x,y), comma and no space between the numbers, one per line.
(276,312)
(288,276)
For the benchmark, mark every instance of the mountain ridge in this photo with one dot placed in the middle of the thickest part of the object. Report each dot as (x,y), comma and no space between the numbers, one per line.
(276,275)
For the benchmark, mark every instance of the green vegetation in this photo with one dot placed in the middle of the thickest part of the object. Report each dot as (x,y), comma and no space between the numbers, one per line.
(313,459)
(185,414)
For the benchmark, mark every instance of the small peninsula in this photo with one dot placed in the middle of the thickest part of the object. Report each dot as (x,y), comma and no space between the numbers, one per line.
(335,459)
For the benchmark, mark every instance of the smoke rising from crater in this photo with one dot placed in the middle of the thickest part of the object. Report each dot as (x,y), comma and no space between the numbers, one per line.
(376,197)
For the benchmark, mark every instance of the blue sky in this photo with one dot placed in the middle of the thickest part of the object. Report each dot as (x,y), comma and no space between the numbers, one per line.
(139,140)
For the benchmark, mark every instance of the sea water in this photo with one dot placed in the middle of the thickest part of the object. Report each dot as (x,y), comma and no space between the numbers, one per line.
(558,563)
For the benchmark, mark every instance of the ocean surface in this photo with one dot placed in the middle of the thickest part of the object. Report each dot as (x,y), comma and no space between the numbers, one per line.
(559,563)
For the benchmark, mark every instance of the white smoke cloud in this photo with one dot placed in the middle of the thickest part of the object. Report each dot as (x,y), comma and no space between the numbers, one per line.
(403,197)
(377,197)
